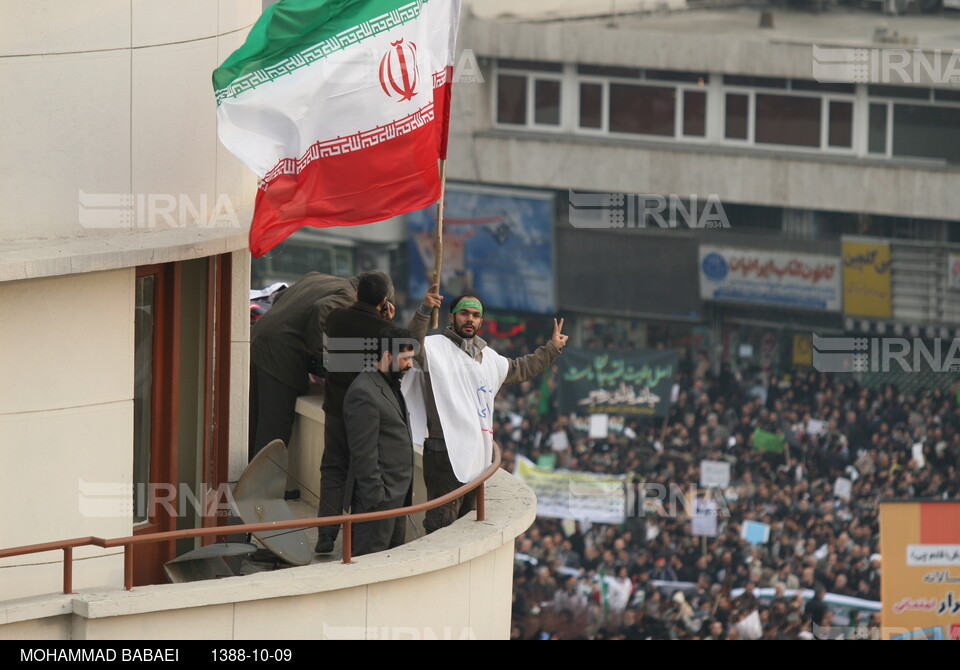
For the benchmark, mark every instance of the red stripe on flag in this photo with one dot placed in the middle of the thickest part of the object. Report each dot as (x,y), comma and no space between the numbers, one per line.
(352,187)
(442,103)
(940,523)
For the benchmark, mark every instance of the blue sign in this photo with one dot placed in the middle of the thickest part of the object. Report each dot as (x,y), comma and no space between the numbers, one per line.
(499,245)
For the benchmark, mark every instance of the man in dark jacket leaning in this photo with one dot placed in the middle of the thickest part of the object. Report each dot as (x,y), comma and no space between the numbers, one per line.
(462,376)
(282,344)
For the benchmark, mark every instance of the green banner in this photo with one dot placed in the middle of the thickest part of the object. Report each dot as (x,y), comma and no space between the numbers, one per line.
(617,381)
(767,441)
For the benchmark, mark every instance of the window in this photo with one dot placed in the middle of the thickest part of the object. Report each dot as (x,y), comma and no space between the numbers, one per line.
(695,113)
(591,105)
(877,135)
(181,398)
(840,128)
(926,131)
(737,116)
(531,98)
(646,110)
(512,99)
(301,253)
(546,102)
(787,119)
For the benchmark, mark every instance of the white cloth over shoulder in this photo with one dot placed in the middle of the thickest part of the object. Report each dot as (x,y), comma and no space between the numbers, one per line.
(464,391)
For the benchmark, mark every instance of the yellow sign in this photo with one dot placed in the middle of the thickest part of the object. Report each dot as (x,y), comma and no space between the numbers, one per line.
(803,350)
(920,589)
(866,279)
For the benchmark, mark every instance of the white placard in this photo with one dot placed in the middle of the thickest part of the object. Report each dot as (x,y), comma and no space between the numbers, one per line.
(599,426)
(715,473)
(704,526)
(559,441)
(917,454)
(842,488)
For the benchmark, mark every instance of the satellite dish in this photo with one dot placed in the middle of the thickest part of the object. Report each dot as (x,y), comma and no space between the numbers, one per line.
(259,499)
(211,562)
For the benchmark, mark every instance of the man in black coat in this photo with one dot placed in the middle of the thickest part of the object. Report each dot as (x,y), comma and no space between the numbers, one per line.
(380,443)
(350,335)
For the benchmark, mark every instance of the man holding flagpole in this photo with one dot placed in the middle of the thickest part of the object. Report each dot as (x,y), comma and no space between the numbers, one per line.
(453,401)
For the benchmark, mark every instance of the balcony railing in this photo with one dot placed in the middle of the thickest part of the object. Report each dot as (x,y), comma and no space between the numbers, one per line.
(67,546)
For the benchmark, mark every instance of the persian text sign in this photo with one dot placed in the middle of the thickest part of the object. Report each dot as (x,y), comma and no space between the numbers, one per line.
(866,278)
(617,381)
(804,281)
(568,494)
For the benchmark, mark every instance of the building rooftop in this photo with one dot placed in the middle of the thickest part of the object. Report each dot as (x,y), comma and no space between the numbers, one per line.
(837,25)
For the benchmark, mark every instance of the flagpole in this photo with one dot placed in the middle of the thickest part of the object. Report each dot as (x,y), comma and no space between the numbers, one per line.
(438,245)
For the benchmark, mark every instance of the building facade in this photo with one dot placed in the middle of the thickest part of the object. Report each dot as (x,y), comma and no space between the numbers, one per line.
(760,149)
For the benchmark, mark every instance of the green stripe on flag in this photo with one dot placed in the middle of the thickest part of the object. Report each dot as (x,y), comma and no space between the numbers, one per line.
(293,34)
(767,441)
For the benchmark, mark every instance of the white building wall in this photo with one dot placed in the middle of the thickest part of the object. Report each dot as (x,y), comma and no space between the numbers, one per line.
(113,98)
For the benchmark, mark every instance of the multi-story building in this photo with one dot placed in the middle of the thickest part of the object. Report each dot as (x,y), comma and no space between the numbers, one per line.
(818,133)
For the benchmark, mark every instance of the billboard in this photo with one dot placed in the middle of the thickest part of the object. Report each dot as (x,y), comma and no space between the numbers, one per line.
(755,276)
(498,243)
(920,589)
(617,381)
(866,278)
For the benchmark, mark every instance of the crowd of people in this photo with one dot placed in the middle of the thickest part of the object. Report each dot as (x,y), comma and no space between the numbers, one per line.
(598,581)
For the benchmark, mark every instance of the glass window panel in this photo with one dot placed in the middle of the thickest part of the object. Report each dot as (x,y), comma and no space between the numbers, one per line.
(808,85)
(647,110)
(787,119)
(546,102)
(512,99)
(591,105)
(877,140)
(609,71)
(840,132)
(540,66)
(926,131)
(675,75)
(143,328)
(736,116)
(753,82)
(887,91)
(946,96)
(695,113)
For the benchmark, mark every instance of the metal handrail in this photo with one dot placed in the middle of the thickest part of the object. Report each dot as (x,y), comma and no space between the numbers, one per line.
(67,546)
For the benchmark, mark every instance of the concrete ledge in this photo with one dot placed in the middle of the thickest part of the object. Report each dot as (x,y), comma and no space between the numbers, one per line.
(510,505)
(32,259)
(311,406)
(37,607)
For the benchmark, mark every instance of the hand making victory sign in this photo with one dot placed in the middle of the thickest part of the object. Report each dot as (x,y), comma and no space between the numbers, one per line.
(559,339)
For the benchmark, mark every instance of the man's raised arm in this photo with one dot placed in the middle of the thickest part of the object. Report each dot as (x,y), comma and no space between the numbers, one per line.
(529,366)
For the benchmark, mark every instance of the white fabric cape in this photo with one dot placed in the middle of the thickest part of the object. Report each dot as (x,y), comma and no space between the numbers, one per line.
(464,391)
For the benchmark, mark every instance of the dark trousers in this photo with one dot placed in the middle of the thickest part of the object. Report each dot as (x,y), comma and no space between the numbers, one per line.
(372,536)
(440,480)
(334,468)
(273,407)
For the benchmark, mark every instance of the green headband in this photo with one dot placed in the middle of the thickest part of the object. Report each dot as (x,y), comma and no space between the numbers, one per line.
(469,302)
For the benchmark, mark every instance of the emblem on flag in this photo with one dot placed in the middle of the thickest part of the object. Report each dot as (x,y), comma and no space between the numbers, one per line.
(399,68)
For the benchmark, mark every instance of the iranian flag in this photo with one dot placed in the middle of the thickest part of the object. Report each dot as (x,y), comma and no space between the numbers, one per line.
(342,108)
